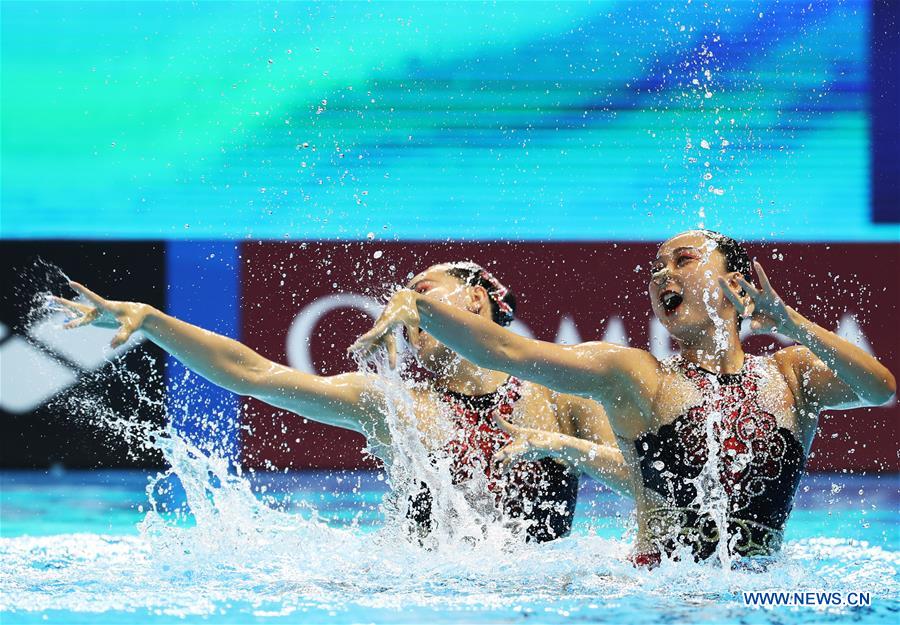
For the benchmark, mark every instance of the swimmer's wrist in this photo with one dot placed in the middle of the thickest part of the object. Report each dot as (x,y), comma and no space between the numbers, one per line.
(147,314)
(417,304)
(795,326)
(562,447)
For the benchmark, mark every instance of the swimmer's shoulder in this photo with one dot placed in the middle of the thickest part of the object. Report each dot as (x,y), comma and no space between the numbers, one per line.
(668,376)
(629,374)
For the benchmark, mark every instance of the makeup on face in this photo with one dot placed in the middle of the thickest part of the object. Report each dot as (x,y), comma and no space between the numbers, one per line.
(670,295)
(680,255)
(421,286)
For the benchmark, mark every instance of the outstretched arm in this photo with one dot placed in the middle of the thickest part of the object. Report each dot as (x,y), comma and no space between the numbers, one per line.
(608,373)
(831,371)
(349,400)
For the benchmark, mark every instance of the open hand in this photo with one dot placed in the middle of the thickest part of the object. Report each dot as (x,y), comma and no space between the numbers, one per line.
(400,311)
(767,311)
(103,313)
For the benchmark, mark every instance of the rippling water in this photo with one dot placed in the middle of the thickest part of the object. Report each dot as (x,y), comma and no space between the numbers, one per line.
(116,547)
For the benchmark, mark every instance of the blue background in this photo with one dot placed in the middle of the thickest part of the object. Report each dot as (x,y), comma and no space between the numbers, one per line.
(527,120)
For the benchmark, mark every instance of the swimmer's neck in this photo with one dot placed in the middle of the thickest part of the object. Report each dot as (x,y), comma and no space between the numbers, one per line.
(469,379)
(706,354)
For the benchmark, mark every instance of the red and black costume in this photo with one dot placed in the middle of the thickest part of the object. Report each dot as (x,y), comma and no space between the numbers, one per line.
(542,493)
(759,465)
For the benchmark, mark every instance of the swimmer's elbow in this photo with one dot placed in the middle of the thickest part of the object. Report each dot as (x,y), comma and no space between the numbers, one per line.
(887,391)
(509,353)
(246,383)
(254,379)
(876,394)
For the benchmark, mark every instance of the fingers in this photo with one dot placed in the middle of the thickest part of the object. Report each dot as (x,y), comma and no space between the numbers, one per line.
(68,305)
(390,341)
(412,332)
(92,297)
(733,297)
(502,463)
(763,278)
(368,342)
(763,326)
(83,320)
(122,335)
(78,314)
(505,425)
(506,456)
(379,336)
(751,290)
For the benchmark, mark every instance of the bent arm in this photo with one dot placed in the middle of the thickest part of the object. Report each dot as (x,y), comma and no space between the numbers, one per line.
(834,372)
(601,461)
(349,400)
(589,424)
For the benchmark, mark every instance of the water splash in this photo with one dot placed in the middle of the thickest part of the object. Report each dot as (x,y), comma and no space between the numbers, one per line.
(229,553)
(464,515)
(712,499)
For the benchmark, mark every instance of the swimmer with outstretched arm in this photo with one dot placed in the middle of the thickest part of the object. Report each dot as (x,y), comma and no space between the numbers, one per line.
(764,409)
(455,412)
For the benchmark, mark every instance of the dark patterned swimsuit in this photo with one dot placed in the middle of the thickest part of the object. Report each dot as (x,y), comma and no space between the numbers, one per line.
(542,493)
(758,467)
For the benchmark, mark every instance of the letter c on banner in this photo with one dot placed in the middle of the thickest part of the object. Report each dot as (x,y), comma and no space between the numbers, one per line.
(301,330)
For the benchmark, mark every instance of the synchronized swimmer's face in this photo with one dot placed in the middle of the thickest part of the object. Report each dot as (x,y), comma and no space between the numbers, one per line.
(684,293)
(684,290)
(436,282)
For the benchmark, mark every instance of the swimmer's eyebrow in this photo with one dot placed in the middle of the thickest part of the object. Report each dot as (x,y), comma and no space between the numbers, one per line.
(683,248)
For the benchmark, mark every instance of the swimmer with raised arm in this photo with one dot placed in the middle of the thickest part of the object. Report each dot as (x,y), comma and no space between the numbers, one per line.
(454,412)
(764,408)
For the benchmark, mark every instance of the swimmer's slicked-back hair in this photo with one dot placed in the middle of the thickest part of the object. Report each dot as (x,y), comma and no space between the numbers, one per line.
(503,302)
(736,256)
